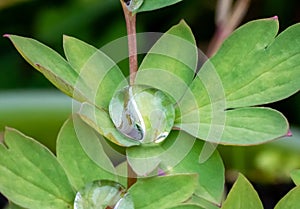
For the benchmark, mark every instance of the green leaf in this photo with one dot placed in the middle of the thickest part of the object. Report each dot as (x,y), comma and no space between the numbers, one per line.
(30,174)
(242,196)
(256,67)
(99,119)
(80,168)
(102,76)
(203,203)
(251,68)
(145,160)
(291,200)
(149,5)
(166,191)
(295,174)
(172,60)
(77,52)
(211,172)
(244,126)
(254,126)
(186,206)
(13,206)
(54,67)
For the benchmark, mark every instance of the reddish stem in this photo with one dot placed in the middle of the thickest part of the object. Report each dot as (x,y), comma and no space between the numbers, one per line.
(132,45)
(133,66)
(131,176)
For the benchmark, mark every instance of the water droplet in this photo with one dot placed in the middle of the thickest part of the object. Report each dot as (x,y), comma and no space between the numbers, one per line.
(102,194)
(133,5)
(142,113)
(125,203)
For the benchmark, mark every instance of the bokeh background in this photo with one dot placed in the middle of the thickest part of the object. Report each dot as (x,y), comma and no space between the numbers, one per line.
(31,104)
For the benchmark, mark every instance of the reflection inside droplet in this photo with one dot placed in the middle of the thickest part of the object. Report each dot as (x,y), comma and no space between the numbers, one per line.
(125,203)
(101,195)
(142,113)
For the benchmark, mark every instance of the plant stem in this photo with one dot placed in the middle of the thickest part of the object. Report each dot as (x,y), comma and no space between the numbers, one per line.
(133,66)
(131,176)
(227,21)
(132,46)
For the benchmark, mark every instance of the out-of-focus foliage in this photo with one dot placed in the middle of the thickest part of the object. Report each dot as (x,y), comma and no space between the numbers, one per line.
(8,3)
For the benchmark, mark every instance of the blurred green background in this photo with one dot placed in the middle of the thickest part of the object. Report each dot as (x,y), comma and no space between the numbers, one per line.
(31,104)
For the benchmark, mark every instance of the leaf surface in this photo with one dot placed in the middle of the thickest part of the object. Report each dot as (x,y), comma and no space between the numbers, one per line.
(252,67)
(146,160)
(172,60)
(97,71)
(242,196)
(290,200)
(30,174)
(211,172)
(166,191)
(256,67)
(149,5)
(243,126)
(295,174)
(79,166)
(186,206)
(54,67)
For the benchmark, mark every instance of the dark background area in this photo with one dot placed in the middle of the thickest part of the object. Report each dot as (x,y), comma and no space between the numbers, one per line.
(99,22)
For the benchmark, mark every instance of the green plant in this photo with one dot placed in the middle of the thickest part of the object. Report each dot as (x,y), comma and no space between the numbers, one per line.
(165,122)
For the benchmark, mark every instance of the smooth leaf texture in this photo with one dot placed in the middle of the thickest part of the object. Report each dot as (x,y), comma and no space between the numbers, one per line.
(162,192)
(172,60)
(186,206)
(211,172)
(31,176)
(251,68)
(80,168)
(149,5)
(202,203)
(291,200)
(146,160)
(295,174)
(77,52)
(243,126)
(102,76)
(256,67)
(13,206)
(101,122)
(242,196)
(54,67)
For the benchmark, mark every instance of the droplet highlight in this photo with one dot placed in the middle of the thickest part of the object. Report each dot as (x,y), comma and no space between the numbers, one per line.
(142,113)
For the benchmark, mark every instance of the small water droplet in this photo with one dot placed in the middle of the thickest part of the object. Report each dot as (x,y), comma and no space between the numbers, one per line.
(142,113)
(133,5)
(100,195)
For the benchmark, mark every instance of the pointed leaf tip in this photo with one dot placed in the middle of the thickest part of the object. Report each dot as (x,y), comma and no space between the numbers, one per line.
(289,133)
(275,17)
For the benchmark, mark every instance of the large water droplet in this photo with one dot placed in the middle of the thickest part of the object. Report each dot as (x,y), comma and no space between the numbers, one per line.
(142,113)
(101,195)
(133,5)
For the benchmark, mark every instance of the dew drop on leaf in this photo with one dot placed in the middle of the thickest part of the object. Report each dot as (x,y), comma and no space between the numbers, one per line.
(142,113)
(103,194)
